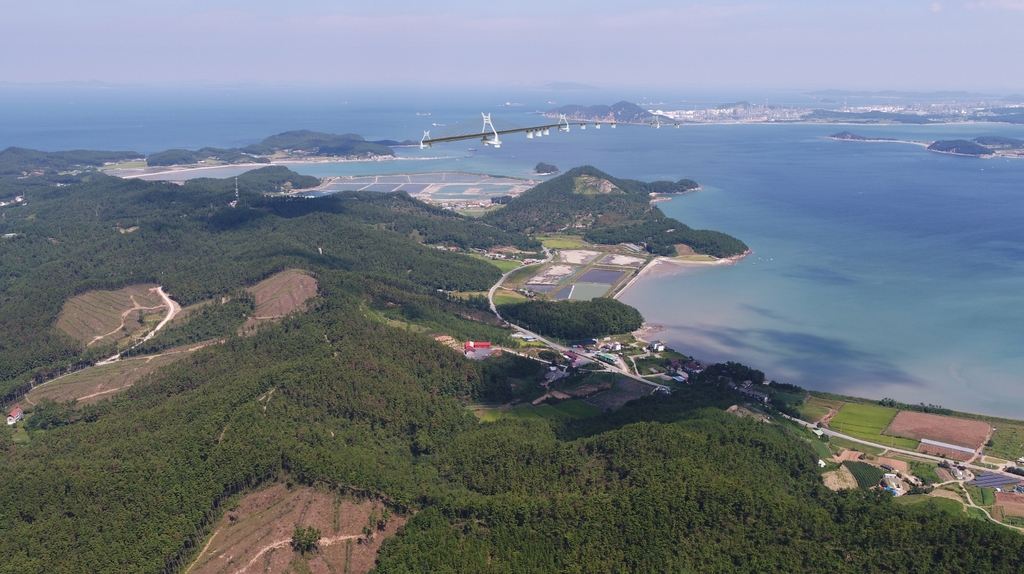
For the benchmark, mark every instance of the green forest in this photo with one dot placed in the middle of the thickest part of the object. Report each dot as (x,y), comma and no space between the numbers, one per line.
(574,319)
(623,216)
(355,393)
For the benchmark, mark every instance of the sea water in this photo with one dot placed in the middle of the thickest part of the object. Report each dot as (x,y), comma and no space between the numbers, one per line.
(878,269)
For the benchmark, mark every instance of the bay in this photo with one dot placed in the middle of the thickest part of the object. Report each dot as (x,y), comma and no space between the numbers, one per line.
(878,269)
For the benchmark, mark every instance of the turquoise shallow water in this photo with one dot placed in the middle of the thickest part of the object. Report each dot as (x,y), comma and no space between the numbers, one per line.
(878,269)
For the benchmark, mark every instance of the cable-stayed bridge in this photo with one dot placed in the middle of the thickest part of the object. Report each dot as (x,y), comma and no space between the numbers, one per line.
(489,131)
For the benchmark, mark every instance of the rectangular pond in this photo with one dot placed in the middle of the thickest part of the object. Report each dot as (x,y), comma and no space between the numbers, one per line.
(601,276)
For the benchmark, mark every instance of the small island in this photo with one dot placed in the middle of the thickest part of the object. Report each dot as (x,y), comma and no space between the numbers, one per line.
(985,146)
(545,169)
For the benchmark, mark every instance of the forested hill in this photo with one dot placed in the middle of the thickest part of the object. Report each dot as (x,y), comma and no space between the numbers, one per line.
(22,161)
(354,396)
(609,210)
(67,241)
(299,142)
(624,112)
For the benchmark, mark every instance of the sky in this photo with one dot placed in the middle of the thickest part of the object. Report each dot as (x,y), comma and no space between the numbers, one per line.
(843,44)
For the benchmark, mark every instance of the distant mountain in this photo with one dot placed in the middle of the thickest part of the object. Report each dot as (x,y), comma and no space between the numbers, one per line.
(624,112)
(866,117)
(568,87)
(302,142)
(1014,99)
(1000,142)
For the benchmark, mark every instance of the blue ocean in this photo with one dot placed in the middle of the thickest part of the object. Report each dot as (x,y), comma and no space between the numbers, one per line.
(878,269)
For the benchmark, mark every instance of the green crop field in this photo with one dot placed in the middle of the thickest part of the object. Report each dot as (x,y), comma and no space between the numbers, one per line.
(821,448)
(526,412)
(868,422)
(502,297)
(977,514)
(503,264)
(563,242)
(577,409)
(866,475)
(1007,441)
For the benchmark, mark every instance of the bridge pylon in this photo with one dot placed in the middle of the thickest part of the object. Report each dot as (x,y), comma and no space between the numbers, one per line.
(487,122)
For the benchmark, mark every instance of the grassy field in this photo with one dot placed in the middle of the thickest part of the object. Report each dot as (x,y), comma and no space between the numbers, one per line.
(821,448)
(849,444)
(815,408)
(99,317)
(559,242)
(977,514)
(925,471)
(503,264)
(502,297)
(944,504)
(1007,441)
(868,422)
(577,409)
(982,496)
(125,165)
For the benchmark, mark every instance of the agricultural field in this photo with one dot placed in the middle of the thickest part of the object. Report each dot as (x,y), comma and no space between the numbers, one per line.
(868,422)
(501,297)
(505,265)
(1007,441)
(103,317)
(961,432)
(925,471)
(1012,503)
(867,476)
(255,533)
(851,445)
(563,242)
(946,505)
(814,408)
(821,449)
(982,496)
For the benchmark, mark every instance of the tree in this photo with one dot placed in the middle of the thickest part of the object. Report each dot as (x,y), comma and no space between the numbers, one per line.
(305,540)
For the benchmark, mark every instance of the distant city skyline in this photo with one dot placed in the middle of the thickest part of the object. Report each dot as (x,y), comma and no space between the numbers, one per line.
(914,45)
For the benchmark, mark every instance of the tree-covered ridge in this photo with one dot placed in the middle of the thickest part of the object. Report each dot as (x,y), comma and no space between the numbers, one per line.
(960,147)
(191,241)
(1000,142)
(574,319)
(625,112)
(355,394)
(19,161)
(319,143)
(609,210)
(186,157)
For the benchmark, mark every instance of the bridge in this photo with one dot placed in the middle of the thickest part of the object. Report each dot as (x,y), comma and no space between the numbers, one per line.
(490,133)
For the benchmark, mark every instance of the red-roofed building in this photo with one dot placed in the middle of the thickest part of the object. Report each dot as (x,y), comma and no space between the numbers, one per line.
(478,345)
(15,416)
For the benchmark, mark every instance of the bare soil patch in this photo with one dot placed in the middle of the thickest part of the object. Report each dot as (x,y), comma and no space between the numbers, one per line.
(1012,503)
(552,275)
(848,455)
(900,465)
(943,474)
(940,493)
(279,295)
(579,256)
(683,250)
(840,479)
(100,317)
(961,432)
(94,384)
(256,535)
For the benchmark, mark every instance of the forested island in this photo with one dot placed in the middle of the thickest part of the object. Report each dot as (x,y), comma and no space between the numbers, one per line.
(985,146)
(356,394)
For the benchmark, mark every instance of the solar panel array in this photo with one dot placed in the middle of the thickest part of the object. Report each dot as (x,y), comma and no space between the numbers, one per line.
(991,479)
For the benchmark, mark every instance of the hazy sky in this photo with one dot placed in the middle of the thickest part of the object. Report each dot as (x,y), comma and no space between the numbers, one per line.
(905,44)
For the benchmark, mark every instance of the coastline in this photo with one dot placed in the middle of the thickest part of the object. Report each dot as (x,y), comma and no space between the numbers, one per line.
(668,265)
(145,172)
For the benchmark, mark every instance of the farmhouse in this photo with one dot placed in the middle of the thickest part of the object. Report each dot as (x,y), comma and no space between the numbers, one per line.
(15,416)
